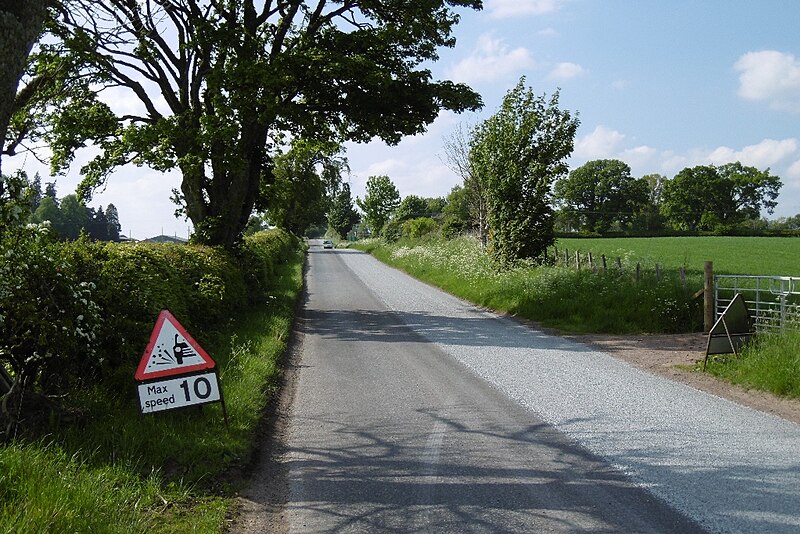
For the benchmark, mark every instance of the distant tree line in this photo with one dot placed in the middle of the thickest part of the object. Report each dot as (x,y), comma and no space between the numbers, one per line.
(601,196)
(68,217)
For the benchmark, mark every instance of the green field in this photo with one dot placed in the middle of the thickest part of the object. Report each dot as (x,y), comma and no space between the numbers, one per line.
(775,256)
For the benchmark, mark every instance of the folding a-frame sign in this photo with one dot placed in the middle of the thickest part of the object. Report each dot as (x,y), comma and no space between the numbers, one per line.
(732,330)
(175,371)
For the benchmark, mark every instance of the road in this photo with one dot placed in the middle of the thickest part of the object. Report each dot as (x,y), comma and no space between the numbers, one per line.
(415,412)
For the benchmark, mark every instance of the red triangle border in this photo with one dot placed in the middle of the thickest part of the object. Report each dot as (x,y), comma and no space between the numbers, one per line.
(165,315)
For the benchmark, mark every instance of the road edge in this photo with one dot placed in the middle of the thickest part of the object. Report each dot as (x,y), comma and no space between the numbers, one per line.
(260,506)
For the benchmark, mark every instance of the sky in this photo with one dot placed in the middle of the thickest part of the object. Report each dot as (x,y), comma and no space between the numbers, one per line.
(659,85)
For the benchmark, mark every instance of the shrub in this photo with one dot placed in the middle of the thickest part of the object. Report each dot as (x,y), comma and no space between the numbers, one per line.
(421,226)
(49,322)
(392,231)
(260,257)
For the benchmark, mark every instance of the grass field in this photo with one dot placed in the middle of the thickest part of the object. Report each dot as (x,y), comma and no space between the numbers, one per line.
(774,256)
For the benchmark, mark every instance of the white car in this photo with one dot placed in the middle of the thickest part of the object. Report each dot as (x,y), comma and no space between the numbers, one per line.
(327,244)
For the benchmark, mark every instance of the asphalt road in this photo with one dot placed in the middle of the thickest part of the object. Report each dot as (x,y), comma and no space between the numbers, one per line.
(393,429)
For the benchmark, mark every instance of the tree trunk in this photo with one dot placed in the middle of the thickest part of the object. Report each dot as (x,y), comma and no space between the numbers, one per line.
(220,207)
(21,24)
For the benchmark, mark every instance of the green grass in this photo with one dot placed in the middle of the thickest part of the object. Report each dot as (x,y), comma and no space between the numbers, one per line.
(771,363)
(117,471)
(562,298)
(43,489)
(774,256)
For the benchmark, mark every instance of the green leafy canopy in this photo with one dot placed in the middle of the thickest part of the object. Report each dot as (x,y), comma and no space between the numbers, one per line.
(219,86)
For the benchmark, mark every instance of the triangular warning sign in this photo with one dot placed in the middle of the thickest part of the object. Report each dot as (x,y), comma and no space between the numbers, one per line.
(171,351)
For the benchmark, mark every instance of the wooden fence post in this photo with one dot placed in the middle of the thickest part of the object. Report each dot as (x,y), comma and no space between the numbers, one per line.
(683,277)
(603,257)
(708,296)
(658,273)
(619,263)
(591,262)
(577,260)
(638,271)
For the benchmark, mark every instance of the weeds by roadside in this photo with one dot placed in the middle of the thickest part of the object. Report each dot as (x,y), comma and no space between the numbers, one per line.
(770,363)
(567,299)
(588,302)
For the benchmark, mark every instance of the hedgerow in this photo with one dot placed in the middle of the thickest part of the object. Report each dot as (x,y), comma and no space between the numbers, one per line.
(79,312)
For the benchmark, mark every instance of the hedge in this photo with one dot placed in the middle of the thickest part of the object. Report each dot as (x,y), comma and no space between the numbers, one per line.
(124,286)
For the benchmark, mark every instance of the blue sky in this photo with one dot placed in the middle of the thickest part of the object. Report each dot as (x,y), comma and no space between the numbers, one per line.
(661,85)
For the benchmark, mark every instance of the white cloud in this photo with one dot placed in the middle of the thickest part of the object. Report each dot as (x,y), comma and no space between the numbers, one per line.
(500,9)
(385,167)
(672,162)
(548,32)
(566,71)
(619,85)
(601,143)
(770,76)
(428,177)
(764,154)
(639,157)
(491,59)
(794,172)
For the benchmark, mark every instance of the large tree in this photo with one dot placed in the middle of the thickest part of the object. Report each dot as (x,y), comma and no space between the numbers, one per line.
(219,83)
(114,226)
(601,193)
(706,197)
(411,207)
(517,154)
(342,214)
(297,196)
(380,202)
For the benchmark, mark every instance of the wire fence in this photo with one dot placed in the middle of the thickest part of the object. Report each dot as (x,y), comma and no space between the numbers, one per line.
(587,260)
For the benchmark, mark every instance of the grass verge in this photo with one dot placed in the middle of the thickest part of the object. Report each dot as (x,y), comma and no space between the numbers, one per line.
(770,363)
(563,298)
(112,470)
(585,302)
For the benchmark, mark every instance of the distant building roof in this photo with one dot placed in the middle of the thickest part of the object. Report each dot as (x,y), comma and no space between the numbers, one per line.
(165,239)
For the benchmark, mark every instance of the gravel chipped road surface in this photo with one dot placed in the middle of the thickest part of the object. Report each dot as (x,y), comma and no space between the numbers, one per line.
(531,432)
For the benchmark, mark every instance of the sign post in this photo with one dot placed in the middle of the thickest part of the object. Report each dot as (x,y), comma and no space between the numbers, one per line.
(175,371)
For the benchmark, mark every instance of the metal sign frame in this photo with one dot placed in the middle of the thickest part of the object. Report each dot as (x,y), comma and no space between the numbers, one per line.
(732,330)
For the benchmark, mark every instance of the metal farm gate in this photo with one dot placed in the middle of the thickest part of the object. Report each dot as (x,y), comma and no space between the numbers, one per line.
(773,301)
